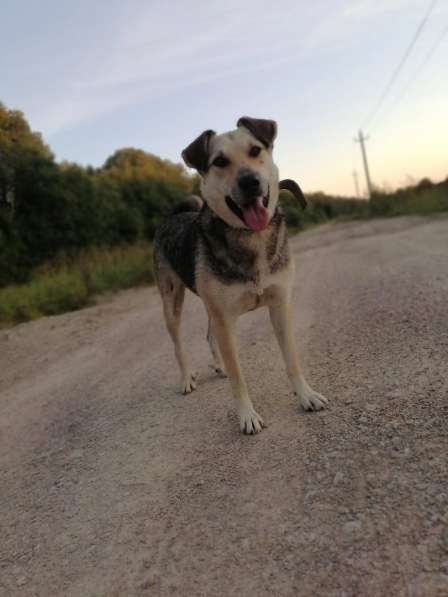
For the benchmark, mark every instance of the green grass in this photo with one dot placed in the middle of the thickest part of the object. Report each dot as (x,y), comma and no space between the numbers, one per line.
(321,208)
(410,201)
(69,284)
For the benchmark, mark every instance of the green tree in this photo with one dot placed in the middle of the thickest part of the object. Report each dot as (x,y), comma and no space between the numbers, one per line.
(135,164)
(48,209)
(18,147)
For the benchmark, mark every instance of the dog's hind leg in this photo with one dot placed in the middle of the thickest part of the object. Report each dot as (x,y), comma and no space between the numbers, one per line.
(172,291)
(218,365)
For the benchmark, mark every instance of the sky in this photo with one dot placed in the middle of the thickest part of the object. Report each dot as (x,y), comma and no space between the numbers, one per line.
(96,75)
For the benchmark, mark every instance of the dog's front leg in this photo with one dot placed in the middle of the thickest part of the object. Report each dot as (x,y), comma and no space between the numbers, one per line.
(282,322)
(223,329)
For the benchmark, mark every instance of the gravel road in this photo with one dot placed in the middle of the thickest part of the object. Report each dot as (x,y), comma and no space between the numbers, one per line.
(113,484)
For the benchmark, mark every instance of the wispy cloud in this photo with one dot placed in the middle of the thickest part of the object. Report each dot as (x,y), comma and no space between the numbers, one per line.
(159,48)
(365,9)
(76,67)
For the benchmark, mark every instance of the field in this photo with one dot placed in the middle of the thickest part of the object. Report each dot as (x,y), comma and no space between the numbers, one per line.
(69,283)
(70,232)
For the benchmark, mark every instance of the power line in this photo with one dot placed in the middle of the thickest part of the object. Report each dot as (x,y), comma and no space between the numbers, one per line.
(401,63)
(427,58)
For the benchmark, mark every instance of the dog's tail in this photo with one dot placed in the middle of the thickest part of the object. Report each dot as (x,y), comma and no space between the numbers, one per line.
(191,203)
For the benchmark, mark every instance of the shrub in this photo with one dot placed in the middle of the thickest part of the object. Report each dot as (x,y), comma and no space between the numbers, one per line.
(70,283)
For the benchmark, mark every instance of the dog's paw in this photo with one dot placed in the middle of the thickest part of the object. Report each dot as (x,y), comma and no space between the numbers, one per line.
(250,422)
(189,383)
(312,400)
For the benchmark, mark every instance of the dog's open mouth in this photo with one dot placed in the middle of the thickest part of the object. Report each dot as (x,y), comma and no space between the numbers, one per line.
(255,215)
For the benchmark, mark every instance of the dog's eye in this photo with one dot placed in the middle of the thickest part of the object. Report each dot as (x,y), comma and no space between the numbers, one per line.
(221,162)
(254,151)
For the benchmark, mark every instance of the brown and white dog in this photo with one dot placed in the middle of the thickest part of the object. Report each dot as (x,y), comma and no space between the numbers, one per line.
(232,250)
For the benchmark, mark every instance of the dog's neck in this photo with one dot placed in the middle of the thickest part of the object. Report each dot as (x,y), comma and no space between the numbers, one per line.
(241,255)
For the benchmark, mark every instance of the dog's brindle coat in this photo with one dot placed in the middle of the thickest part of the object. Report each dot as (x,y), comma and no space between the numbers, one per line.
(210,249)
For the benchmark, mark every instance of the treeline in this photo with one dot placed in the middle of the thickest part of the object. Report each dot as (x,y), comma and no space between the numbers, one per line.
(422,198)
(52,212)
(49,209)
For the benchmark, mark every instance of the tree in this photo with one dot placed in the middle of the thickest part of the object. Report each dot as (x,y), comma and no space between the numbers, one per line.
(19,146)
(48,209)
(135,164)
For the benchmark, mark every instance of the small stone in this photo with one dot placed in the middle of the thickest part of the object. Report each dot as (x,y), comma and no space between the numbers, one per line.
(338,478)
(363,419)
(394,394)
(352,526)
(21,581)
(148,583)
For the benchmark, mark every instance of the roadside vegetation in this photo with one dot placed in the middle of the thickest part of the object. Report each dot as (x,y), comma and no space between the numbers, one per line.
(423,198)
(72,282)
(68,233)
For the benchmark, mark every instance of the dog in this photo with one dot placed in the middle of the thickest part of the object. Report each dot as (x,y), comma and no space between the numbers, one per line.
(231,249)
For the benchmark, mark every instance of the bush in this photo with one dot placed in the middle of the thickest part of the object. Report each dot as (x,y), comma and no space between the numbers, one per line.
(70,283)
(321,208)
(423,199)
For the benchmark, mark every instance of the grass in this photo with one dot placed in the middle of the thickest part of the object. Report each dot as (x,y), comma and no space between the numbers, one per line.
(321,208)
(71,283)
(410,201)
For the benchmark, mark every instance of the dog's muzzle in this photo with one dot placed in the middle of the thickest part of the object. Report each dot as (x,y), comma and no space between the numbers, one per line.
(252,211)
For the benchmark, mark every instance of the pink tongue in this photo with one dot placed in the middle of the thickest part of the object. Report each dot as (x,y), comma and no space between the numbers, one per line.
(256,216)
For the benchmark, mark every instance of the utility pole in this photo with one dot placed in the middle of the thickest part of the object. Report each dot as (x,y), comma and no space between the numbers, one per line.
(355,178)
(360,139)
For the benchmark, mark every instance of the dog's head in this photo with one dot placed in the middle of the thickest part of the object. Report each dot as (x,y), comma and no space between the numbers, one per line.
(239,178)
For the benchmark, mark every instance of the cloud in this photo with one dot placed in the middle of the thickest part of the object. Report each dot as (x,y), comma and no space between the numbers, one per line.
(366,9)
(139,50)
(163,47)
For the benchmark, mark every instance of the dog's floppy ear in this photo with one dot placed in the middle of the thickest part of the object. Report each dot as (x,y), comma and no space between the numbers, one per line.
(290,185)
(263,130)
(196,154)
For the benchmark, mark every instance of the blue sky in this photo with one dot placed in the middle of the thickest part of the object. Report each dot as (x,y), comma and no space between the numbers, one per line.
(97,75)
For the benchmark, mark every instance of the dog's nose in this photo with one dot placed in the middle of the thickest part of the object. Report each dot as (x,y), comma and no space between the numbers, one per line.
(249,183)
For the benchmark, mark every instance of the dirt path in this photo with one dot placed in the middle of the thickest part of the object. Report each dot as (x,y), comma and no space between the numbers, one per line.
(112,484)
